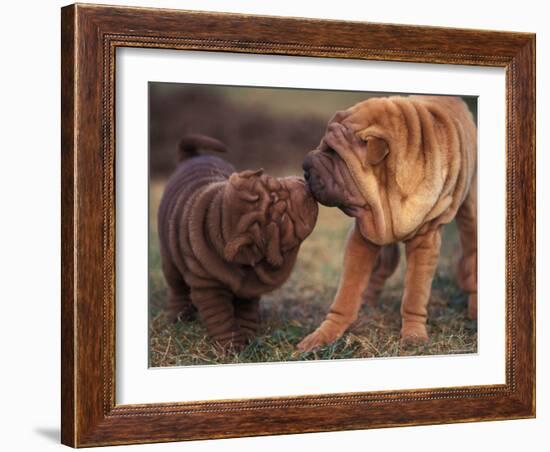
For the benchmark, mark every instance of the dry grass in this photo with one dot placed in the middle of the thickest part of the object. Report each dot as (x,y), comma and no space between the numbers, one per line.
(297,308)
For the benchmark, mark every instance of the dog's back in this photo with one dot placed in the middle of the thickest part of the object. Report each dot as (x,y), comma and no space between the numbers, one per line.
(227,238)
(193,175)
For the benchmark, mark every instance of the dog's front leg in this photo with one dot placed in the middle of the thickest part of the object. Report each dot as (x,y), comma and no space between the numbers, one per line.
(422,256)
(359,259)
(247,314)
(217,313)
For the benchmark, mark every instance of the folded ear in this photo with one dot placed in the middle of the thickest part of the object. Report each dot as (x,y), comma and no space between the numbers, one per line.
(233,247)
(376,151)
(251,173)
(242,178)
(243,183)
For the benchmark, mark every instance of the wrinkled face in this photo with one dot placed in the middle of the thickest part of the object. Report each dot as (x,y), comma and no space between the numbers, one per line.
(270,217)
(330,180)
(334,170)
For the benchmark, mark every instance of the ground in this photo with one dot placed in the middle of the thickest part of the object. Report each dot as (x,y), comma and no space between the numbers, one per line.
(297,308)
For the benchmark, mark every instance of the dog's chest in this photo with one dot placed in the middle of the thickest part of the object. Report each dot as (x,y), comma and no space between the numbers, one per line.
(258,281)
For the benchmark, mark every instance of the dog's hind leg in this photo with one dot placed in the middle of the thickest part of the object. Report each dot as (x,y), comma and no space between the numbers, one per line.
(384,267)
(217,313)
(179,306)
(466,220)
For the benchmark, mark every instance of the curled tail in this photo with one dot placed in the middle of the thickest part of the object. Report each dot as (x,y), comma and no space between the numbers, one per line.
(191,144)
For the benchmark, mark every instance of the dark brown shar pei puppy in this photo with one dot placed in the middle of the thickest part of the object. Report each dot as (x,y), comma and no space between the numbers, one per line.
(226,238)
(402,167)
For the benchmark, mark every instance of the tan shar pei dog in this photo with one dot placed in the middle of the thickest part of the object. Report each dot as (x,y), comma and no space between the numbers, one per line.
(402,167)
(226,238)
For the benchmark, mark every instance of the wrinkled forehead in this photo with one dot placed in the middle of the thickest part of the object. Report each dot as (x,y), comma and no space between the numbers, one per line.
(359,116)
(270,183)
(383,113)
(270,192)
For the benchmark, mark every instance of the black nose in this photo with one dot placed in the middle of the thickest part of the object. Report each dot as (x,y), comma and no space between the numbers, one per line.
(306,175)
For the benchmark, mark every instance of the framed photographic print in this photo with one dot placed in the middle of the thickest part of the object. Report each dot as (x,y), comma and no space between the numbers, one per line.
(282,225)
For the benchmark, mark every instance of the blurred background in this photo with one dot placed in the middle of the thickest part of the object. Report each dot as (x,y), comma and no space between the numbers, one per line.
(263,127)
(271,128)
(274,128)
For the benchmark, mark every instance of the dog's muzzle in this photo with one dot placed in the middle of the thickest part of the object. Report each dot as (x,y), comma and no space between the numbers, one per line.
(321,180)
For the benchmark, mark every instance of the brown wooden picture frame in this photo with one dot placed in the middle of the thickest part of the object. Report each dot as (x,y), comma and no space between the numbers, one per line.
(90,36)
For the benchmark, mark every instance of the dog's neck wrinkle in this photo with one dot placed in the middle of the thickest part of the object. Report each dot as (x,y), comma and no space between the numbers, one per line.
(204,245)
(214,223)
(255,280)
(227,225)
(386,203)
(372,199)
(272,277)
(263,276)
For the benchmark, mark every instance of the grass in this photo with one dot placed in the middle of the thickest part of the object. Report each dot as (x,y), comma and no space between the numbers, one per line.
(297,308)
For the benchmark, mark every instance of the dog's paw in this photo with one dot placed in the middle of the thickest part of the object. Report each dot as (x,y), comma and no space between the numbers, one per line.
(414,335)
(234,343)
(188,314)
(314,340)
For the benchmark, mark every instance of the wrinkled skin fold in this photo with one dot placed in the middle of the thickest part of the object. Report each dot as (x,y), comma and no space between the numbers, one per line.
(227,238)
(402,167)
